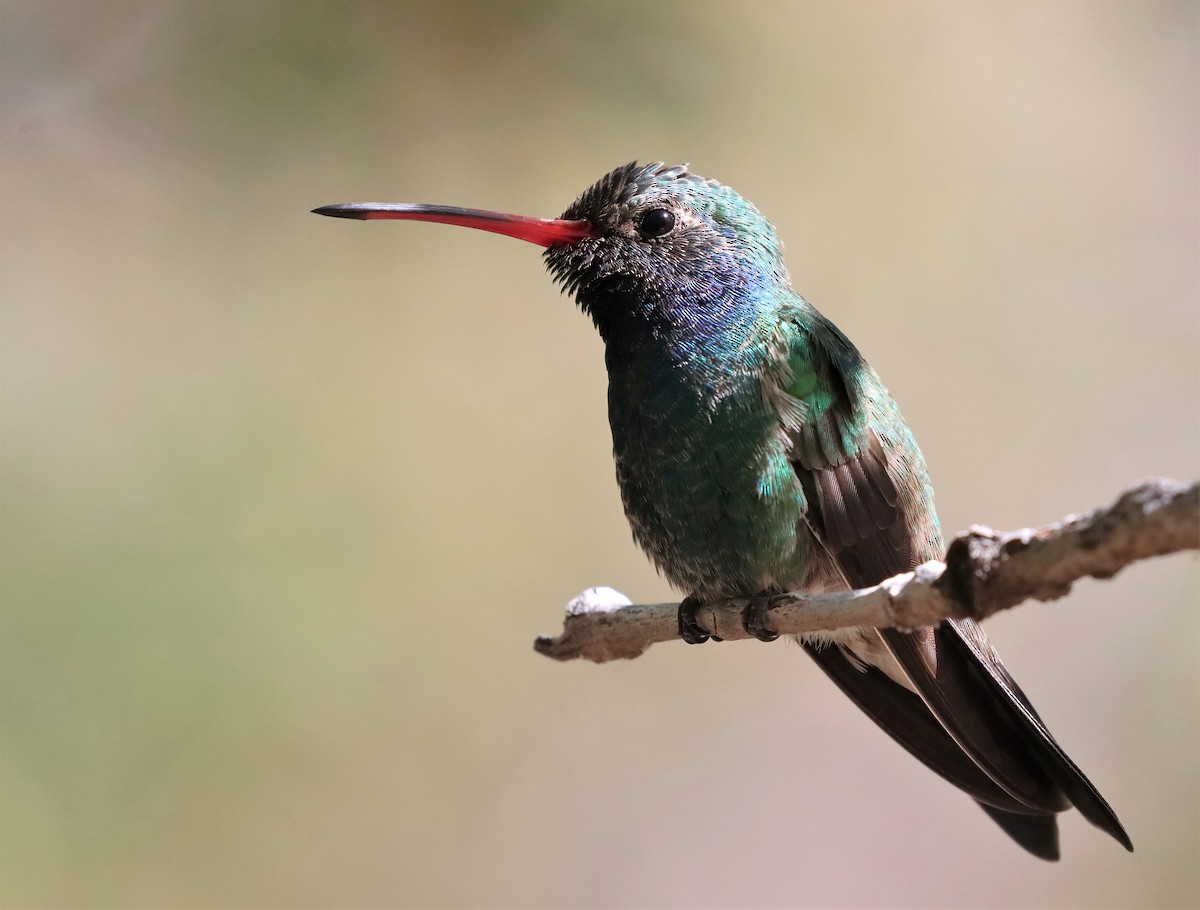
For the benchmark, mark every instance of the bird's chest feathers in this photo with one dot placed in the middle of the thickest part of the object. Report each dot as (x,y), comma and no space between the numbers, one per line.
(702,463)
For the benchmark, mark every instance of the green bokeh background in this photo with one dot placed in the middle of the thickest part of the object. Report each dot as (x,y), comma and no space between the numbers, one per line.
(285,499)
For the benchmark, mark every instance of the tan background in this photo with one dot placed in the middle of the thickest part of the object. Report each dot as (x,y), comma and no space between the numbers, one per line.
(286,499)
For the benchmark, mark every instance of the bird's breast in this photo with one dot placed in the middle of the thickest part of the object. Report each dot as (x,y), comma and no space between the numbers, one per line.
(702,464)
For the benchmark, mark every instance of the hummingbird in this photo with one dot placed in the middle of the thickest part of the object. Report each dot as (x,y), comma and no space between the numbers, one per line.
(758,452)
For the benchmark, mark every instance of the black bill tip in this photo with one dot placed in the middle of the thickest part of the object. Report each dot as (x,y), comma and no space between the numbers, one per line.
(342,211)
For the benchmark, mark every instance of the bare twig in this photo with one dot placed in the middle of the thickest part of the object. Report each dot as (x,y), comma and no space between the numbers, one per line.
(984,572)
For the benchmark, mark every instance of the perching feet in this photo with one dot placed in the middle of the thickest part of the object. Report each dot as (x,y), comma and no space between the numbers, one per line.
(690,630)
(755,618)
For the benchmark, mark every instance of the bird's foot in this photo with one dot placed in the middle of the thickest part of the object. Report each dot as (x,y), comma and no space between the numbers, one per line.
(690,630)
(755,618)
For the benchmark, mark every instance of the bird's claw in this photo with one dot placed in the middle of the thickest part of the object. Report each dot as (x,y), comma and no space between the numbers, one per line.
(690,630)
(756,619)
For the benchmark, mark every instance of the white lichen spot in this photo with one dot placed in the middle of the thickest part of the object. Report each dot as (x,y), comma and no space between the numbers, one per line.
(598,600)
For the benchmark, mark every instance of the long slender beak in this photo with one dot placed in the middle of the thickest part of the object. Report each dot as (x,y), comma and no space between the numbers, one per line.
(542,231)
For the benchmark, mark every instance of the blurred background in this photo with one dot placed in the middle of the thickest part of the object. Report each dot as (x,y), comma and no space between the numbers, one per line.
(286,499)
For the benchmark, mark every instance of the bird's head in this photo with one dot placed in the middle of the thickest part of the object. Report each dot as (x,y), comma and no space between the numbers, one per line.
(662,230)
(649,243)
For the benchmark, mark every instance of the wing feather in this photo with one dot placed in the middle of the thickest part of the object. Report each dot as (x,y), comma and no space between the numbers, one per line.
(968,720)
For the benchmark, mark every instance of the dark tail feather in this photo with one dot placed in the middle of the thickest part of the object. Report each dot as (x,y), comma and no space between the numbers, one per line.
(973,726)
(907,720)
(905,717)
(988,715)
(1036,833)
(956,692)
(967,642)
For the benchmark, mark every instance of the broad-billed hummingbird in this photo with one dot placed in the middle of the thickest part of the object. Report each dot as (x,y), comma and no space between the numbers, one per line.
(758,452)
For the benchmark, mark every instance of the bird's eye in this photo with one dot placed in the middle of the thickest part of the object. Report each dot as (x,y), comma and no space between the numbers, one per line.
(656,223)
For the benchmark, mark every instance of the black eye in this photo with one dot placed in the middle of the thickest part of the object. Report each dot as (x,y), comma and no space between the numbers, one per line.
(656,222)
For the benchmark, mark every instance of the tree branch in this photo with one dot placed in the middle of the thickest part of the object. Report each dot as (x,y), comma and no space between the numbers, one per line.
(984,572)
